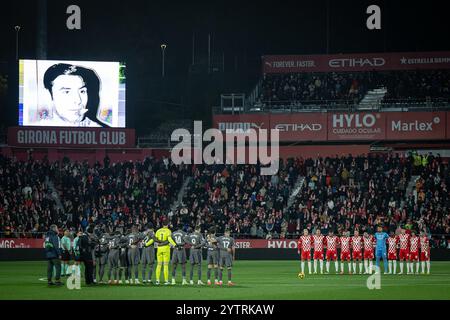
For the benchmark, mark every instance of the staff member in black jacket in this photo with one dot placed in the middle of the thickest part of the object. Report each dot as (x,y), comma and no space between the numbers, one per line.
(53,255)
(86,256)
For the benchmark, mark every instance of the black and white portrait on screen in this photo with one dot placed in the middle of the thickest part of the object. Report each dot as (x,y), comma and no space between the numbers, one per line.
(71,94)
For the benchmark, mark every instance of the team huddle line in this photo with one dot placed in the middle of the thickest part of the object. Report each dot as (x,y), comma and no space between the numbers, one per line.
(404,247)
(122,253)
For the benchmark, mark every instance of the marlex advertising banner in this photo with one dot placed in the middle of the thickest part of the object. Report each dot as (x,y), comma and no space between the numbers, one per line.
(361,126)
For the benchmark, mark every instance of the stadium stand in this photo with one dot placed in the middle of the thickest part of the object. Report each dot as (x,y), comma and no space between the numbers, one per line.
(340,193)
(303,91)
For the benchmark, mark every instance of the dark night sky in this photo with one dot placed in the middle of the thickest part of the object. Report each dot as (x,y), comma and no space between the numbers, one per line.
(242,31)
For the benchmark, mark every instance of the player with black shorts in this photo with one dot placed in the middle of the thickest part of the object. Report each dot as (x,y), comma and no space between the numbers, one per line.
(76,268)
(66,253)
(179,254)
(226,255)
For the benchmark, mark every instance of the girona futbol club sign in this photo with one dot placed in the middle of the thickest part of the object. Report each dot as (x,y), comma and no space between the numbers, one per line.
(356,62)
(71,137)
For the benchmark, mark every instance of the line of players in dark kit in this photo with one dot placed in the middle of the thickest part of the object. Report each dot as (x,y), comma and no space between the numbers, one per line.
(117,255)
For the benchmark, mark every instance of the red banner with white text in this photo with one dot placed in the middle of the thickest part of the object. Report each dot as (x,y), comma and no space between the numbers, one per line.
(356,62)
(359,126)
(21,243)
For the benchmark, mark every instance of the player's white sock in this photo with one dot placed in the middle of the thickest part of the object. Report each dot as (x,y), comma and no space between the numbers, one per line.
(395,266)
(342,267)
(309,266)
(365,267)
(321,266)
(411,267)
(370,266)
(328,266)
(401,266)
(417,266)
(360,267)
(336,266)
(315,266)
(428,266)
(303,266)
(423,266)
(354,267)
(390,266)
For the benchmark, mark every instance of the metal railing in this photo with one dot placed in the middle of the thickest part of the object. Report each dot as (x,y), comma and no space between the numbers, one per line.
(349,105)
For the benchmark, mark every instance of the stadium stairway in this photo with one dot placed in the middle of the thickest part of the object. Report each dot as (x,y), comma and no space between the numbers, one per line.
(295,190)
(181,194)
(55,194)
(372,99)
(411,185)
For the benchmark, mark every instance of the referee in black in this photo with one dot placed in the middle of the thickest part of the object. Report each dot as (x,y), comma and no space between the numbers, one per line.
(86,256)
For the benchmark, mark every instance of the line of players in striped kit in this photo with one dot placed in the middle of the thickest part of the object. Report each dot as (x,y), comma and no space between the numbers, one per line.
(358,250)
(123,252)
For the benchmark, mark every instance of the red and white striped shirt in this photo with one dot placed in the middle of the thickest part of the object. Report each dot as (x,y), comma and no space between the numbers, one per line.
(414,242)
(305,243)
(357,243)
(392,244)
(404,241)
(318,243)
(424,244)
(332,243)
(368,243)
(345,244)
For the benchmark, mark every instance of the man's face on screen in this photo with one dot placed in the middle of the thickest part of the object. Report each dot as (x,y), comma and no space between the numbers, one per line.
(70,97)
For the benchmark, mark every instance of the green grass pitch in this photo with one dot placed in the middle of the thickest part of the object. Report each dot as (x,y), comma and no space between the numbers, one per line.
(253,279)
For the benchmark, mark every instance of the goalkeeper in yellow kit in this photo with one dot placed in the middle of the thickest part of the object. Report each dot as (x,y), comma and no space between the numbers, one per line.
(163,239)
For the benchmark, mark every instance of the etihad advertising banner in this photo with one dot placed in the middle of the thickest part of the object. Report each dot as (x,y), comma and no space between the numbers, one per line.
(300,126)
(356,62)
(71,137)
(359,126)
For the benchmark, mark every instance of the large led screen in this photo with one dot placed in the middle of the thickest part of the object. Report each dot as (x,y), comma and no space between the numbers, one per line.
(71,93)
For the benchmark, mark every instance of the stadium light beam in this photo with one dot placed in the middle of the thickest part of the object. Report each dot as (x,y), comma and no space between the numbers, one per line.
(17,28)
(163,51)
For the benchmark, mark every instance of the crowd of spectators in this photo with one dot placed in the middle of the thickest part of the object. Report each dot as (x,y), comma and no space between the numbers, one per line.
(313,87)
(429,203)
(27,204)
(119,194)
(415,85)
(362,192)
(239,198)
(339,193)
(318,88)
